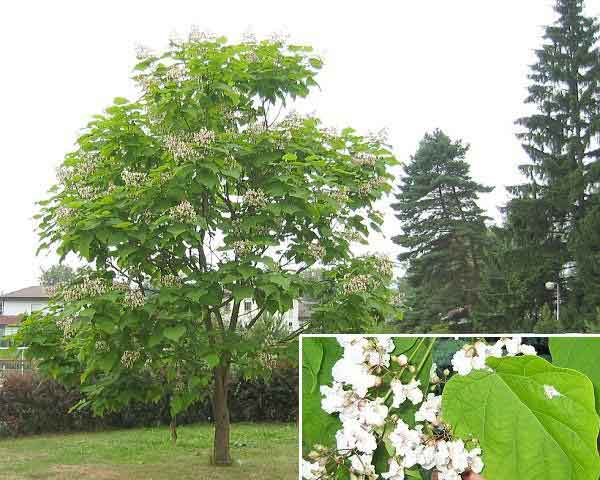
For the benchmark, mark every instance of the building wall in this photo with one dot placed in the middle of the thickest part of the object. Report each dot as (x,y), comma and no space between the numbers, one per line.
(248,309)
(18,306)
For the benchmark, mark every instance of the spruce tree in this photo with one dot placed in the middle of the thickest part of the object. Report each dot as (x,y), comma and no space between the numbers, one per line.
(552,213)
(443,230)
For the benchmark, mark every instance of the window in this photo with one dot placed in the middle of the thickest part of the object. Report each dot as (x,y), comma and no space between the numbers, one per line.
(2,330)
(290,324)
(247,305)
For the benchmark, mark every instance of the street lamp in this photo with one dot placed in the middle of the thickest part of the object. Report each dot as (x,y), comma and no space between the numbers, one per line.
(552,286)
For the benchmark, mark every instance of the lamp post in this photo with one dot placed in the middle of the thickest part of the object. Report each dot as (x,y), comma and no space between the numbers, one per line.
(552,286)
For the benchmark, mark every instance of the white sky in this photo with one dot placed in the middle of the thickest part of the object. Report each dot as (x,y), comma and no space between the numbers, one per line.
(410,66)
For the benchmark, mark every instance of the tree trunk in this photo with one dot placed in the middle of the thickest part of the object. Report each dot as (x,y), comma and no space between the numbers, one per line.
(221,452)
(173,428)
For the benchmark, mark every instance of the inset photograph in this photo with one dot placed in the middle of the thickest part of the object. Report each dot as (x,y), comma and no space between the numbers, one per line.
(450,408)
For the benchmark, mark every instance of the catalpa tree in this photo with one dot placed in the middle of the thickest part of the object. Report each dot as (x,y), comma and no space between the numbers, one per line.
(190,201)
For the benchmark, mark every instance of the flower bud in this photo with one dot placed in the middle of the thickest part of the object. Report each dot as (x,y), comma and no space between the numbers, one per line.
(446,372)
(401,360)
(412,369)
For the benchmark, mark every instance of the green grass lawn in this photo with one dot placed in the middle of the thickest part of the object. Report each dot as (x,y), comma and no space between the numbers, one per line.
(261,451)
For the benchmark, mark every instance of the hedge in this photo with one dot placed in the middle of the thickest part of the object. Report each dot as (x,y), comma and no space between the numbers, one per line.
(32,405)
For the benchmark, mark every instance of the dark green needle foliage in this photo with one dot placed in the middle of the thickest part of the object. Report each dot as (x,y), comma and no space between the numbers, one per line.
(443,231)
(554,216)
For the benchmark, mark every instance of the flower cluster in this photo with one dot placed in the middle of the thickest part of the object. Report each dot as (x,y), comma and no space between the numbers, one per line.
(255,198)
(88,287)
(184,212)
(129,358)
(241,247)
(170,281)
(364,159)
(179,147)
(372,185)
(203,136)
(368,419)
(133,179)
(316,251)
(292,121)
(134,299)
(356,284)
(340,196)
(176,73)
(473,357)
(65,323)
(384,266)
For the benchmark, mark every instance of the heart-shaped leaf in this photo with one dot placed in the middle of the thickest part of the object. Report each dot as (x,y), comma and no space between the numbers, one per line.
(533,420)
(581,354)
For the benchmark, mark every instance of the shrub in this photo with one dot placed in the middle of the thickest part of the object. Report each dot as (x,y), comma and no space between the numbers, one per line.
(30,404)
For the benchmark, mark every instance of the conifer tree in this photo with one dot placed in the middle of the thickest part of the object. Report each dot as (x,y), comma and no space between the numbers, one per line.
(553,212)
(443,230)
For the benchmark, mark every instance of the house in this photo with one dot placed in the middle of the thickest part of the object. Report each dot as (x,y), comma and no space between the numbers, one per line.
(248,310)
(14,304)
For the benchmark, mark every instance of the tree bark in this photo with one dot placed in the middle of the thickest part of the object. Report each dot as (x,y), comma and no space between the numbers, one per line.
(173,428)
(221,451)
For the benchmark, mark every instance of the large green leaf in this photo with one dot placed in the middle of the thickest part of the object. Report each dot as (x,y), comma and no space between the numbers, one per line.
(318,426)
(525,432)
(582,354)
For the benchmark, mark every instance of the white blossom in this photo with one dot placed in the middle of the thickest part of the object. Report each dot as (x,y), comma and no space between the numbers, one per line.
(134,299)
(395,472)
(133,179)
(354,435)
(364,159)
(184,212)
(356,284)
(430,409)
(312,471)
(129,358)
(403,392)
(255,198)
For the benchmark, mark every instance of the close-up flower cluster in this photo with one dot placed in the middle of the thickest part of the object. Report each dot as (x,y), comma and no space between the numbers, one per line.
(371,393)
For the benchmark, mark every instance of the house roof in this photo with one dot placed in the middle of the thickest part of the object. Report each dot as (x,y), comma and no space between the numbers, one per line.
(35,291)
(10,319)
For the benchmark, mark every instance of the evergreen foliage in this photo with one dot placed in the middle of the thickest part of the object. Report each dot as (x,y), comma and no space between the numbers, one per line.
(443,230)
(554,216)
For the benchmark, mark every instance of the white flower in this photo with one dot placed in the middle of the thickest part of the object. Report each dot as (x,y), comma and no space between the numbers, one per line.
(353,435)
(402,392)
(426,456)
(430,409)
(354,348)
(184,212)
(134,299)
(312,471)
(461,363)
(373,413)
(395,472)
(129,358)
(527,350)
(255,198)
(513,346)
(357,375)
(334,398)
(405,440)
(362,465)
(402,360)
(133,179)
(551,392)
